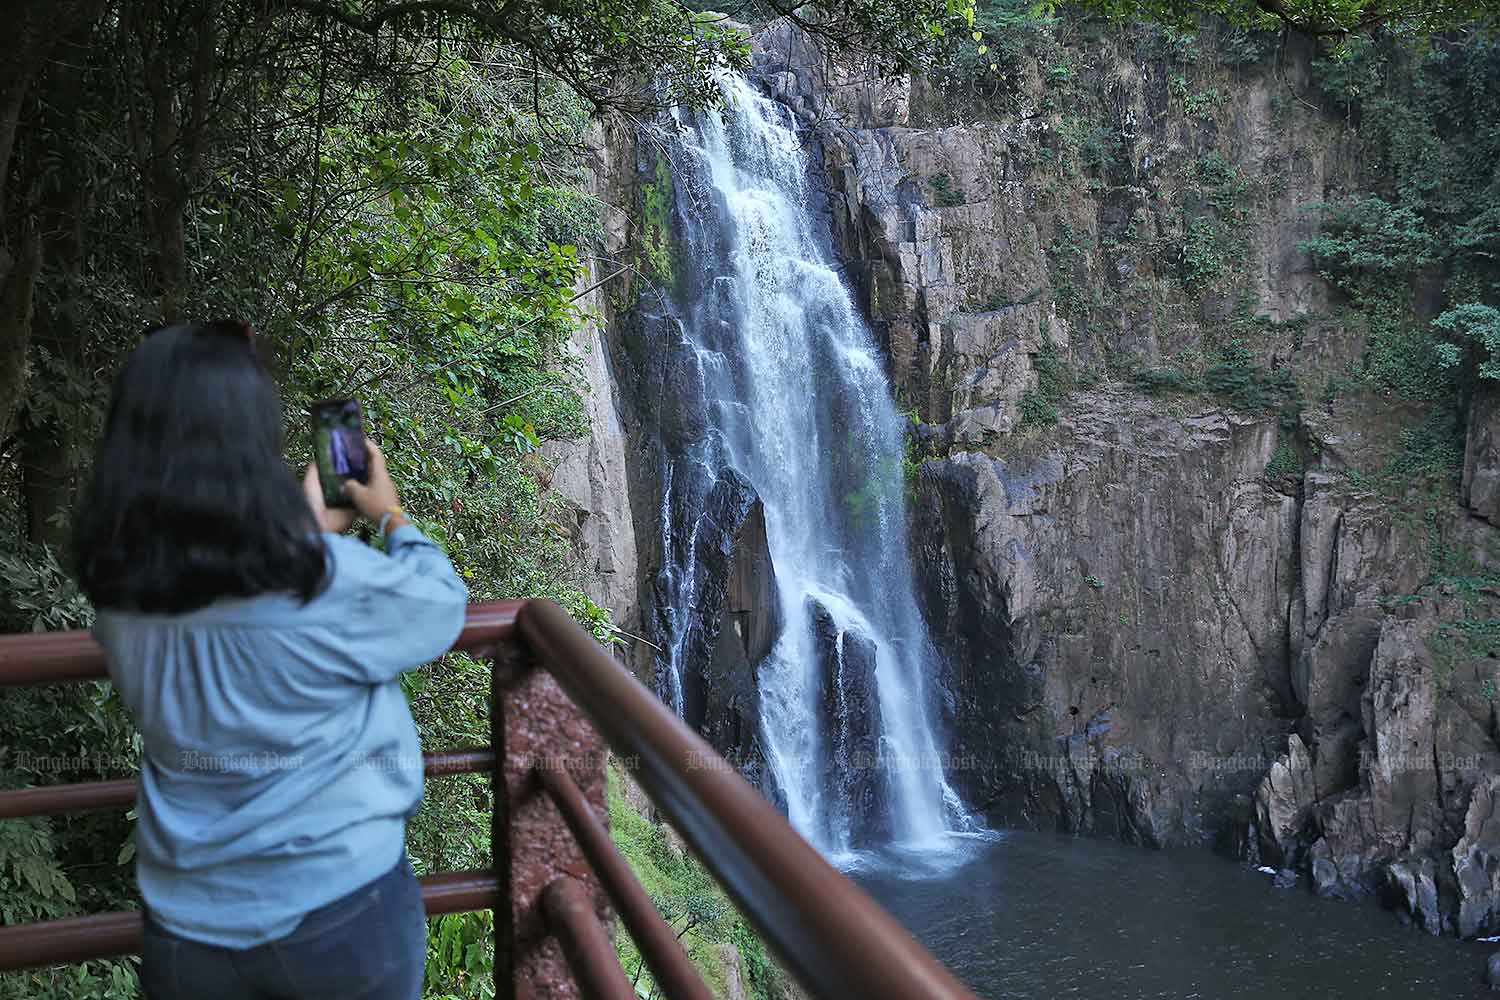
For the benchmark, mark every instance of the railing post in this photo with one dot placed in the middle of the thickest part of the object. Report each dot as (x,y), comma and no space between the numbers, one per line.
(535,726)
(503,663)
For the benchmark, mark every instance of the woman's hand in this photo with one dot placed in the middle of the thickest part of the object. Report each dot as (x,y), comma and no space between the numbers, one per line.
(337,519)
(378,496)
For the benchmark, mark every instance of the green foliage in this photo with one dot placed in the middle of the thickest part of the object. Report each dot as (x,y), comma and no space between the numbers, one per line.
(417,245)
(1336,18)
(1195,102)
(1478,325)
(982,77)
(460,957)
(57,867)
(1165,381)
(40,596)
(1368,235)
(1285,461)
(656,223)
(911,463)
(1235,376)
(1036,410)
(1459,641)
(1085,144)
(1211,241)
(1205,254)
(1402,355)
(1066,254)
(1244,383)
(1242,47)
(689,898)
(1222,183)
(947,194)
(1423,128)
(1353,72)
(1432,449)
(1054,380)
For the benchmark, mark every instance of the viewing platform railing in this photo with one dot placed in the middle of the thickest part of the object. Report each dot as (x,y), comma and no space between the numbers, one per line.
(556,874)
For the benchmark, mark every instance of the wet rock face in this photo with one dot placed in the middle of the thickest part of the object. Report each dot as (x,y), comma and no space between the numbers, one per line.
(851,709)
(735,623)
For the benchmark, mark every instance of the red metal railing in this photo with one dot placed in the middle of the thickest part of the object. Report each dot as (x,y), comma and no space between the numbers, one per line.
(555,870)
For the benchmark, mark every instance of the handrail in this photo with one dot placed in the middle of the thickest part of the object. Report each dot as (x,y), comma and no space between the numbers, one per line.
(102,935)
(59,657)
(662,950)
(570,916)
(836,940)
(82,796)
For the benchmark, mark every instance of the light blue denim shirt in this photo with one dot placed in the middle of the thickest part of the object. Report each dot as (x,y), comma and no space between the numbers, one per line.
(281,761)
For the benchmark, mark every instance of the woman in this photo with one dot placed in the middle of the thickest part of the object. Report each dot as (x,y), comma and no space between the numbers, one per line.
(258,648)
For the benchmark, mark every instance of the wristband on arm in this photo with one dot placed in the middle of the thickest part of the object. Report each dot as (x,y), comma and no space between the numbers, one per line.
(390,514)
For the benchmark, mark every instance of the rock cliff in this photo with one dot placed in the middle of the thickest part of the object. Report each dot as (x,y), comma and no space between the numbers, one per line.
(1175,603)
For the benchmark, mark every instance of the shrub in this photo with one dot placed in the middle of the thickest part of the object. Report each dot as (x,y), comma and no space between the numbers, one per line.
(1205,253)
(1368,235)
(947,194)
(1054,379)
(1478,324)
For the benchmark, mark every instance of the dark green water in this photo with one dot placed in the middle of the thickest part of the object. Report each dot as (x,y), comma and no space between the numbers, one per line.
(1040,916)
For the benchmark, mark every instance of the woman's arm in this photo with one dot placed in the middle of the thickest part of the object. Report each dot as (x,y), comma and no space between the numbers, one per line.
(406,605)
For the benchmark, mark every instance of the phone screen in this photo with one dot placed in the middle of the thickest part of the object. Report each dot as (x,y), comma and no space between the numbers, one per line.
(338,447)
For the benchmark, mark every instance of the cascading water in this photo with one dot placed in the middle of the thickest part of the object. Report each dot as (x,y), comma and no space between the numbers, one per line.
(795,400)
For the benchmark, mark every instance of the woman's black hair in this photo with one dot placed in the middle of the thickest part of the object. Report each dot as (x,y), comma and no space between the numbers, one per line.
(191,499)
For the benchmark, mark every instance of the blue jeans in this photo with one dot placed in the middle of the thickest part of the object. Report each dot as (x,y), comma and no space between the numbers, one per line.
(369,945)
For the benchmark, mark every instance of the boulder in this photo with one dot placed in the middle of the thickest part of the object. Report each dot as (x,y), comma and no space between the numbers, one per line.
(1476,862)
(1414,883)
(1282,802)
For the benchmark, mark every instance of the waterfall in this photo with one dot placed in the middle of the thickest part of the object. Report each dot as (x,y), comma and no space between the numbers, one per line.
(794,398)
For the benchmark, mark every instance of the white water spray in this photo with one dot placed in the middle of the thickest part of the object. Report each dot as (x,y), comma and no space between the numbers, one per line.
(799,404)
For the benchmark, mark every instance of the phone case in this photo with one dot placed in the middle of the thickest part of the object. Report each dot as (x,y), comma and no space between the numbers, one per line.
(338,447)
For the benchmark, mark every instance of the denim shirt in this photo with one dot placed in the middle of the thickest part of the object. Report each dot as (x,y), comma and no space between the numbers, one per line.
(281,760)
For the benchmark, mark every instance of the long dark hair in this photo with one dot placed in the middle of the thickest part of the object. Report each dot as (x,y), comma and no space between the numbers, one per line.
(191,499)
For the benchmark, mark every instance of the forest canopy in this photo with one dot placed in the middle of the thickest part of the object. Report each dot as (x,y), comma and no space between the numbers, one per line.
(1313,17)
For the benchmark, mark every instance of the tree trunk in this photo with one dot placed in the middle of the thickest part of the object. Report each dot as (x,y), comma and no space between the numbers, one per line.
(34,28)
(170,131)
(17,278)
(49,442)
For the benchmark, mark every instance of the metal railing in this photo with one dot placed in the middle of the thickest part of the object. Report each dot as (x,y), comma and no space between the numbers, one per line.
(556,874)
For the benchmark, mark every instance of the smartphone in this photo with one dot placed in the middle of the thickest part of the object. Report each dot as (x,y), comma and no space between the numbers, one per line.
(339,448)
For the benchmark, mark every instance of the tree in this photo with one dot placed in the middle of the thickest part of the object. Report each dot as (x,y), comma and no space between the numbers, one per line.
(1312,17)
